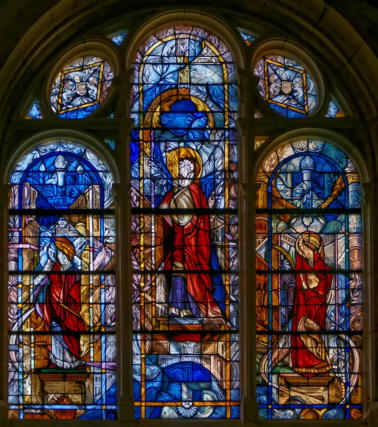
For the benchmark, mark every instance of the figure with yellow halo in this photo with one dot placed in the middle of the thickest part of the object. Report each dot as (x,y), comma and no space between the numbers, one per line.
(58,304)
(187,245)
(308,354)
(307,351)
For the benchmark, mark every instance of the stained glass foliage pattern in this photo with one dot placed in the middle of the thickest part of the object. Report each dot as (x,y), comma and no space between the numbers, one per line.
(34,111)
(309,284)
(61,287)
(287,87)
(81,87)
(184,164)
(118,37)
(334,110)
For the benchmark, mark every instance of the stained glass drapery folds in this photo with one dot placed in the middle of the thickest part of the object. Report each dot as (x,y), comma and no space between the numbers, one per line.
(287,87)
(309,284)
(184,166)
(80,87)
(61,289)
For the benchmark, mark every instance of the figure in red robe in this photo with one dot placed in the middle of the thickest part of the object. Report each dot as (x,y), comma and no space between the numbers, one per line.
(187,239)
(308,354)
(61,308)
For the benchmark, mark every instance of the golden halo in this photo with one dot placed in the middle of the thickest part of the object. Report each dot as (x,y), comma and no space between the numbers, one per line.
(174,157)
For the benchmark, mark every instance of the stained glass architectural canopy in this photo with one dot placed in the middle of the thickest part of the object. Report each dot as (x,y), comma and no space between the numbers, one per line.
(309,284)
(286,85)
(80,87)
(61,287)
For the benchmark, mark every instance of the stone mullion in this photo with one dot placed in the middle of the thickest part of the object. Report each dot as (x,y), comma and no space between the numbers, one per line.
(124,269)
(246,245)
(4,306)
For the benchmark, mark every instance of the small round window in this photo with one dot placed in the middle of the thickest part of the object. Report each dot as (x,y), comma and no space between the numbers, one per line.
(80,87)
(286,86)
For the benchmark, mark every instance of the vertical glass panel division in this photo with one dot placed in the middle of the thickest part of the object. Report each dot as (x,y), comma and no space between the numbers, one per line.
(61,288)
(309,284)
(184,164)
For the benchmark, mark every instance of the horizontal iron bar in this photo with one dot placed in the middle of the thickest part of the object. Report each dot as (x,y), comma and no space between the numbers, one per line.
(300,211)
(155,271)
(56,212)
(299,271)
(72,272)
(199,211)
(348,332)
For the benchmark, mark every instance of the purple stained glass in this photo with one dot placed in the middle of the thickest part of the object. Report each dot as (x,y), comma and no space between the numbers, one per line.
(61,285)
(184,174)
(80,87)
(287,87)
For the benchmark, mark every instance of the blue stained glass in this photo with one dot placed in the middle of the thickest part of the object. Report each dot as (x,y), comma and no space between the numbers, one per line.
(110,142)
(118,37)
(61,285)
(334,110)
(34,111)
(81,87)
(287,87)
(184,156)
(247,36)
(309,283)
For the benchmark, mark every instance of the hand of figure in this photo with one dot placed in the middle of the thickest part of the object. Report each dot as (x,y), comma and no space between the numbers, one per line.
(310,325)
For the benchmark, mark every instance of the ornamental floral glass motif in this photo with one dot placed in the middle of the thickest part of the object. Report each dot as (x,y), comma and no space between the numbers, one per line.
(184,165)
(309,284)
(61,289)
(80,87)
(286,86)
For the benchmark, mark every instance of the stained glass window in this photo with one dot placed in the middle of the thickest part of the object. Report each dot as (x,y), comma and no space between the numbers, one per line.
(110,142)
(247,36)
(61,289)
(34,111)
(334,110)
(80,87)
(184,175)
(287,87)
(309,284)
(118,37)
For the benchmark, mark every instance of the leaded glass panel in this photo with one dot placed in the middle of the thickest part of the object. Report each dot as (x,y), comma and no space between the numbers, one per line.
(309,284)
(184,163)
(286,85)
(61,287)
(80,87)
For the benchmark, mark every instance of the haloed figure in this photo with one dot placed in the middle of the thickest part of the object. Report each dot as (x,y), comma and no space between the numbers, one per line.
(187,239)
(308,354)
(59,306)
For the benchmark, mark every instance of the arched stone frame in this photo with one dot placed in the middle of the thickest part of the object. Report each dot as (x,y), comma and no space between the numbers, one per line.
(341,142)
(357,51)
